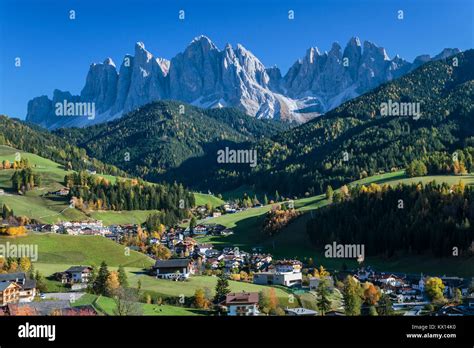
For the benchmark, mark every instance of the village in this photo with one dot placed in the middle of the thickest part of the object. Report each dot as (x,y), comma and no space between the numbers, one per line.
(184,252)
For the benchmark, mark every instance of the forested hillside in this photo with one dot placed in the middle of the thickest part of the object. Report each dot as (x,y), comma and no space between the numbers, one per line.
(31,138)
(161,136)
(354,140)
(416,219)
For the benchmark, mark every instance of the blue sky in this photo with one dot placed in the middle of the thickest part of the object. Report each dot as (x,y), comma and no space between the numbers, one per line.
(56,52)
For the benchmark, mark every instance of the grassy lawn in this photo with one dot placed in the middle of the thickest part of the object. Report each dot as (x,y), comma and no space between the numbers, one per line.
(168,288)
(122,217)
(77,250)
(203,199)
(106,305)
(52,173)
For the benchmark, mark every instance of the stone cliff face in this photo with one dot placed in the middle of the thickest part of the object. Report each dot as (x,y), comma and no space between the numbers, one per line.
(206,76)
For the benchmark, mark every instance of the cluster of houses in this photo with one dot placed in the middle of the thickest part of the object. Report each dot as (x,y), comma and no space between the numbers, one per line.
(408,291)
(203,256)
(410,287)
(91,228)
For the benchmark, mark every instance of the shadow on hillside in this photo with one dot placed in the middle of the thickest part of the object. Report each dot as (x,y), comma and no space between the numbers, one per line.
(200,171)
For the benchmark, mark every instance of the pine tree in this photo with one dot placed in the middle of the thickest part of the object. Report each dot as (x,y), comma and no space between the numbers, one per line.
(323,302)
(122,276)
(100,284)
(329,193)
(222,288)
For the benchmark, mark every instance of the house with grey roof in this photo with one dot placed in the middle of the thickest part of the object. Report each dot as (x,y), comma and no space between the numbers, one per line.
(177,269)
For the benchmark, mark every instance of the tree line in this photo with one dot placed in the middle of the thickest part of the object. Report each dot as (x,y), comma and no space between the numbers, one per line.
(98,193)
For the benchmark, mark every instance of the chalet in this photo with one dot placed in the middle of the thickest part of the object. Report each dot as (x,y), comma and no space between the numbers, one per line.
(391,280)
(242,304)
(27,287)
(185,246)
(203,248)
(177,269)
(28,290)
(213,263)
(74,274)
(212,253)
(288,266)
(200,230)
(9,293)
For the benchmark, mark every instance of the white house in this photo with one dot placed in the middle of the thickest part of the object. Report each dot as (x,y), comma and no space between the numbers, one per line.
(78,274)
(274,278)
(242,304)
(174,268)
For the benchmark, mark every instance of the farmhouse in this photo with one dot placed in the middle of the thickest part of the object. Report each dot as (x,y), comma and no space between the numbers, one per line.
(242,304)
(74,274)
(9,293)
(174,268)
(26,287)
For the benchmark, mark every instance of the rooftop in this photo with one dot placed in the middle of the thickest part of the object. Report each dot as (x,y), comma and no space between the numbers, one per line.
(241,298)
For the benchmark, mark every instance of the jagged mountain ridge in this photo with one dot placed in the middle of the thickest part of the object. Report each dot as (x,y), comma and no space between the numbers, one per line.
(206,76)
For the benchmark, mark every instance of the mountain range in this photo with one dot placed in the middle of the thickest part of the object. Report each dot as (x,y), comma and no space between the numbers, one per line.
(205,76)
(166,145)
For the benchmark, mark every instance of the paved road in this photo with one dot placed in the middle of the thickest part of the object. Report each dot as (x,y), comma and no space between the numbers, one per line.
(68,296)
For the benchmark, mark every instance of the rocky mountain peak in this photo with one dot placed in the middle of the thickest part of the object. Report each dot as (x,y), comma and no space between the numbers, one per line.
(208,77)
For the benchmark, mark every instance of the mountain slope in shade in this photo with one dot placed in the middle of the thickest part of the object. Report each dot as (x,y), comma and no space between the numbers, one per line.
(205,76)
(158,137)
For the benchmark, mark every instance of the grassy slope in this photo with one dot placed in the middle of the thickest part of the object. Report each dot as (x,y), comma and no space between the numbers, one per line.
(54,209)
(77,250)
(106,305)
(32,204)
(203,199)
